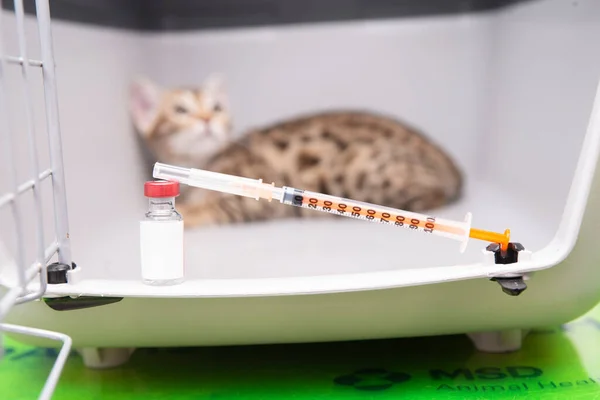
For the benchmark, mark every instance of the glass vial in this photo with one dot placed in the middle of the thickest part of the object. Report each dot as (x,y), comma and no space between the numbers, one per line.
(161,236)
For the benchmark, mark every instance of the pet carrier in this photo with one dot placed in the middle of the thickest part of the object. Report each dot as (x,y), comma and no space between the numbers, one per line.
(509,92)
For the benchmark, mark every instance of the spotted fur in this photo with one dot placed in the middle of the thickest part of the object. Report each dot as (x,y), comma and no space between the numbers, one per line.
(359,155)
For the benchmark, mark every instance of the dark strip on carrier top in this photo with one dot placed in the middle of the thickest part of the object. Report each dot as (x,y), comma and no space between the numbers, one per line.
(176,15)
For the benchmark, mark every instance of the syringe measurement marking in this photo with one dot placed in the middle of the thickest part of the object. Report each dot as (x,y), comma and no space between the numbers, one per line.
(371,215)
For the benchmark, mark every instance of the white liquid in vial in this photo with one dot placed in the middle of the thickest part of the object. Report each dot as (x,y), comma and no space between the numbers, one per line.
(161,245)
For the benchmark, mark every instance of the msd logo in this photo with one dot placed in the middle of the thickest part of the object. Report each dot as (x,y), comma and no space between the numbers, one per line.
(372,379)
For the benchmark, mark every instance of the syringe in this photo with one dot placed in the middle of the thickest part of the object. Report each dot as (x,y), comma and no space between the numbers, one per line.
(255,188)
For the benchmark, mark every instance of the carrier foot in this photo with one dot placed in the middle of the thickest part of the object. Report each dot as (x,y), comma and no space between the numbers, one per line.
(498,341)
(105,357)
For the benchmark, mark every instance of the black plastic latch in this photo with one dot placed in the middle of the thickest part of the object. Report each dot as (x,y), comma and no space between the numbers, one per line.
(57,272)
(510,256)
(511,285)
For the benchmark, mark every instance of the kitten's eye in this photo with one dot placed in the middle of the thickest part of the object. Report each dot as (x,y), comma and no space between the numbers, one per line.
(217,108)
(180,109)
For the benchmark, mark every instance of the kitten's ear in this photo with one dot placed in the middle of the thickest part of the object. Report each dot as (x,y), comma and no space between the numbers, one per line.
(215,83)
(144,101)
(215,87)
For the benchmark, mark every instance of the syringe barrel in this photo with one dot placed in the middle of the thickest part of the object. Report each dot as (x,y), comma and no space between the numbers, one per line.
(456,230)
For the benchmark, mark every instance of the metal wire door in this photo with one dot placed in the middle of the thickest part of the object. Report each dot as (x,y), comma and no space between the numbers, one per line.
(30,275)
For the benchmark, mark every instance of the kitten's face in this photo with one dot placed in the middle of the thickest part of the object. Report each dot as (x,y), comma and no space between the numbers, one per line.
(184,126)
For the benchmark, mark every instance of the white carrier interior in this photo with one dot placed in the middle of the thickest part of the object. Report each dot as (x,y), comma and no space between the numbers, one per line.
(507,93)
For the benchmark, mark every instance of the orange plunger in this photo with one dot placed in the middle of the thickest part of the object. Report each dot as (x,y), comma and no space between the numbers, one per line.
(493,237)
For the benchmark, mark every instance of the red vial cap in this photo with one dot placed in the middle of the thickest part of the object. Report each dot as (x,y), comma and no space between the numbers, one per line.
(161,189)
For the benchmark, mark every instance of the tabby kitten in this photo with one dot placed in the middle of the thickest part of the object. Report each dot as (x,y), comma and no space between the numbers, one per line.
(354,154)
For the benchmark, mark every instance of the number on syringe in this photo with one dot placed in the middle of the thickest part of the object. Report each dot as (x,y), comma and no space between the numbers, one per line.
(370,217)
(430,225)
(384,218)
(399,220)
(327,206)
(312,203)
(414,223)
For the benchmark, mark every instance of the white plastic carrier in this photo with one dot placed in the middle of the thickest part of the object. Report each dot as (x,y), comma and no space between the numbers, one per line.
(512,94)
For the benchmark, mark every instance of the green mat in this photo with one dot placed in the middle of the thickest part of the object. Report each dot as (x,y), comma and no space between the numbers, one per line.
(559,362)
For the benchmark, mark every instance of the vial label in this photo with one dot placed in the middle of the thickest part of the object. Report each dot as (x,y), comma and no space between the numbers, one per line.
(161,244)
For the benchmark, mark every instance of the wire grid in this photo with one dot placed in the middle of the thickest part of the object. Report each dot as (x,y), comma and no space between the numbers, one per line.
(26,274)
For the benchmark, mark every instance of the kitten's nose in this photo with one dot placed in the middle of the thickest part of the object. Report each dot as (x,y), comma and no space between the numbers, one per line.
(204,117)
